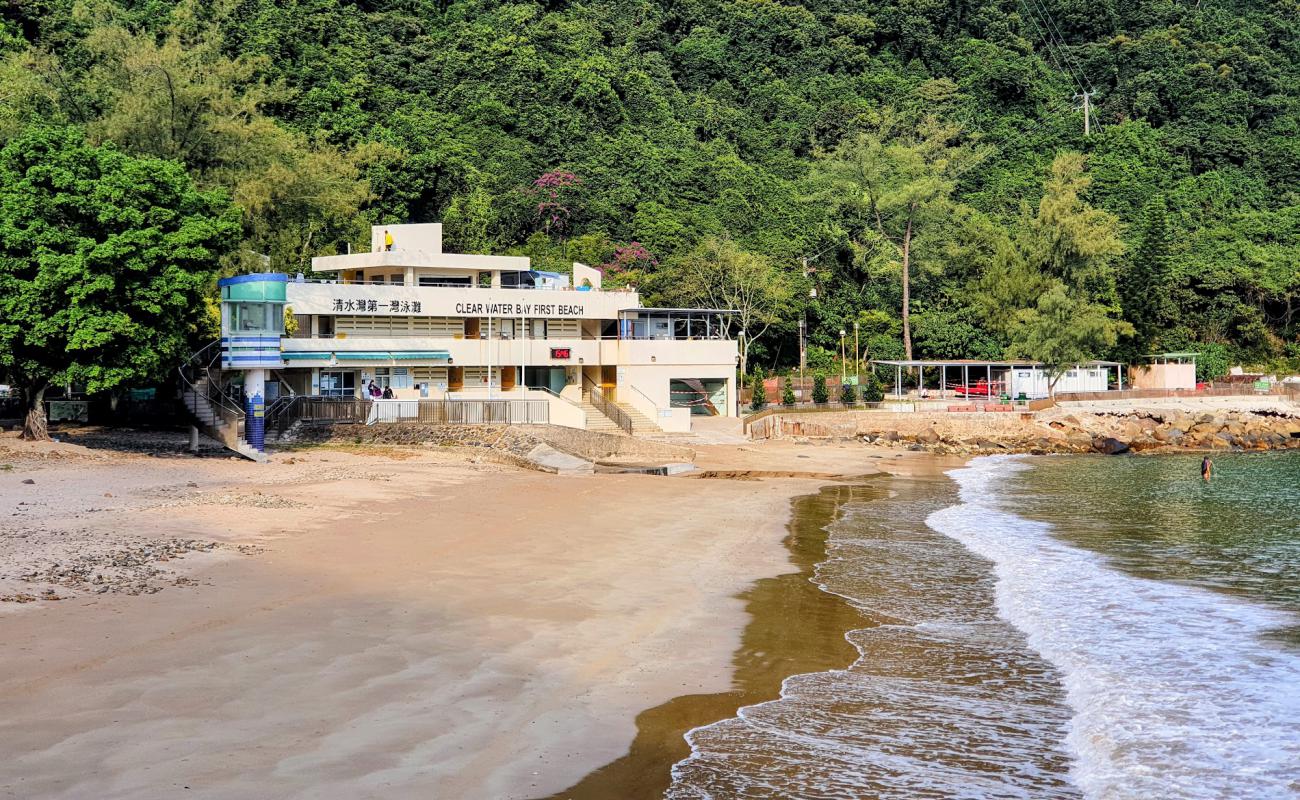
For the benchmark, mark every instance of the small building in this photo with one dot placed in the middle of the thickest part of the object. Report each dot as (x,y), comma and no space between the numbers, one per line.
(1166,371)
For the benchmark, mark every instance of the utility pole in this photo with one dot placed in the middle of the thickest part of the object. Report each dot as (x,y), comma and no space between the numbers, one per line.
(1087,111)
(803,354)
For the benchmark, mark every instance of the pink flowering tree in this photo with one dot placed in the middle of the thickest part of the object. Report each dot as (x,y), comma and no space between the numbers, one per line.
(556,193)
(629,263)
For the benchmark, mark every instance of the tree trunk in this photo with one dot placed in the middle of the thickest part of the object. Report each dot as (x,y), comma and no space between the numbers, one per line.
(34,427)
(907,290)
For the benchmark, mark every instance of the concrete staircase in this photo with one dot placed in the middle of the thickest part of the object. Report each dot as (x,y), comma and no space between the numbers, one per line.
(641,424)
(596,419)
(598,422)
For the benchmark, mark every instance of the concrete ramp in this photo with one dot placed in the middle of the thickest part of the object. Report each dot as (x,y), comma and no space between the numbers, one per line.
(552,460)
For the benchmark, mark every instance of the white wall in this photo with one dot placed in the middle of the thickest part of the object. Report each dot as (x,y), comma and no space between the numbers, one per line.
(653,381)
(1163,376)
(1034,383)
(426,237)
(582,271)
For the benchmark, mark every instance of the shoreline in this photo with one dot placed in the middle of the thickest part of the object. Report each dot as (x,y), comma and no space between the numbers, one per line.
(526,656)
(773,646)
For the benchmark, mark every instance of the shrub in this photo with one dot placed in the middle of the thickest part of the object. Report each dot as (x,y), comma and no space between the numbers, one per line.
(787,394)
(872,391)
(820,395)
(848,394)
(759,399)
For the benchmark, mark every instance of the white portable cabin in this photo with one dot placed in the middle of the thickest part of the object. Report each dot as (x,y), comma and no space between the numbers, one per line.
(1032,381)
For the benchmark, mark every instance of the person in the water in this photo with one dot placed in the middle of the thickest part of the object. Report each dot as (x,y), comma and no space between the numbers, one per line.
(1207,469)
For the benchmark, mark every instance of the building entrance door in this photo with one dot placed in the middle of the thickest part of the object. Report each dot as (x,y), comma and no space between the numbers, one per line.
(455,379)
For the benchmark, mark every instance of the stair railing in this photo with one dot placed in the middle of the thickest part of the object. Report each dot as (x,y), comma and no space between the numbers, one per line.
(562,399)
(201,375)
(654,418)
(607,407)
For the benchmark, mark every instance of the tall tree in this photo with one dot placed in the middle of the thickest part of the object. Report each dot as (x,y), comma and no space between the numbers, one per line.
(719,274)
(1147,284)
(105,260)
(894,181)
(1063,329)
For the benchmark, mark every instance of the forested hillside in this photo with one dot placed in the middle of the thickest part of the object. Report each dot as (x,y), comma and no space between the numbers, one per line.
(661,139)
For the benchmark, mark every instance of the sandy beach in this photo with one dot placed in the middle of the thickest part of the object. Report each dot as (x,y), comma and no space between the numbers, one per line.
(396,622)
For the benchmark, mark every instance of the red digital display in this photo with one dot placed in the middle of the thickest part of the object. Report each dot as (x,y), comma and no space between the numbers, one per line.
(561,353)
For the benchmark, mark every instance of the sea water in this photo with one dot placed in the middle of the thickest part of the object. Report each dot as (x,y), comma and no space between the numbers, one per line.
(1046,628)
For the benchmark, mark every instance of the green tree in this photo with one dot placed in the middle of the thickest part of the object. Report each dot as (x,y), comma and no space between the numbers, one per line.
(719,274)
(1064,243)
(896,181)
(105,260)
(1147,284)
(820,395)
(1062,330)
(758,393)
(787,393)
(872,392)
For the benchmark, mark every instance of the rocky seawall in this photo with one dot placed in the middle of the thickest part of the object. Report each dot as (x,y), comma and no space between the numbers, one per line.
(1053,431)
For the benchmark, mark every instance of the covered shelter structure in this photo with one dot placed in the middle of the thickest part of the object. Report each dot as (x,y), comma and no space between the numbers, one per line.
(1166,371)
(1015,379)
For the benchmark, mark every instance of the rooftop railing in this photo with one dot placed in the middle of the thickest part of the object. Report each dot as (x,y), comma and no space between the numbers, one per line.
(449,285)
(409,334)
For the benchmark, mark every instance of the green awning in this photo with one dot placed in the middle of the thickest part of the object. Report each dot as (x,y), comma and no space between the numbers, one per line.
(302,356)
(362,355)
(414,355)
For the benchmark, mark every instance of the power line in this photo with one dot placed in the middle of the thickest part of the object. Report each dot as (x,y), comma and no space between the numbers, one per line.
(1060,40)
(1057,53)
(1053,41)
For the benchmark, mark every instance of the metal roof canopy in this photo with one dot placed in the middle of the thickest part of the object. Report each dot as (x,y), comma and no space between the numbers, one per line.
(1172,356)
(677,311)
(975,362)
(988,366)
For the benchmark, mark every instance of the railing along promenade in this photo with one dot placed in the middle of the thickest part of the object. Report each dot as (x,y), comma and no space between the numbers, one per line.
(286,411)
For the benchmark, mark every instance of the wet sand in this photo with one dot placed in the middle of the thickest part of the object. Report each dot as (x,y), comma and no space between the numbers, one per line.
(411,625)
(793,627)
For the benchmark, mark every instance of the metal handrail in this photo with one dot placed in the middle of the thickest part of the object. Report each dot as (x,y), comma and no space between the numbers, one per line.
(373,282)
(606,406)
(554,394)
(427,411)
(646,397)
(200,367)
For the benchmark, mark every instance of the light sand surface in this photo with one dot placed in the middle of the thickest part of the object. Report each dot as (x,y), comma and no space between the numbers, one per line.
(398,624)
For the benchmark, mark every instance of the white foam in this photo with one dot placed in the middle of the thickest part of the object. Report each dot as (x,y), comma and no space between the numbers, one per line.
(1176,690)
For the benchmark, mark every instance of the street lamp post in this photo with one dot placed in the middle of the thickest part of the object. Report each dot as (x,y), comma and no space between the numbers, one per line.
(857,357)
(740,381)
(802,324)
(843,359)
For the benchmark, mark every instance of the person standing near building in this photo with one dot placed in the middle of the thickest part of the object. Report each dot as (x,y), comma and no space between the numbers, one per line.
(388,240)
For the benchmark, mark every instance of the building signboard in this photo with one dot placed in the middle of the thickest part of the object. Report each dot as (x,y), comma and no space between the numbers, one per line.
(444,301)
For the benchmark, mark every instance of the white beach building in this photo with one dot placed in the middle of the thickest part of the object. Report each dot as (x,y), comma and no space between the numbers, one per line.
(436,326)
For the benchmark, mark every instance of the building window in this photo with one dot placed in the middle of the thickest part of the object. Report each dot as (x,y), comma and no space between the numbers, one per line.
(338,384)
(442,280)
(256,317)
(394,377)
